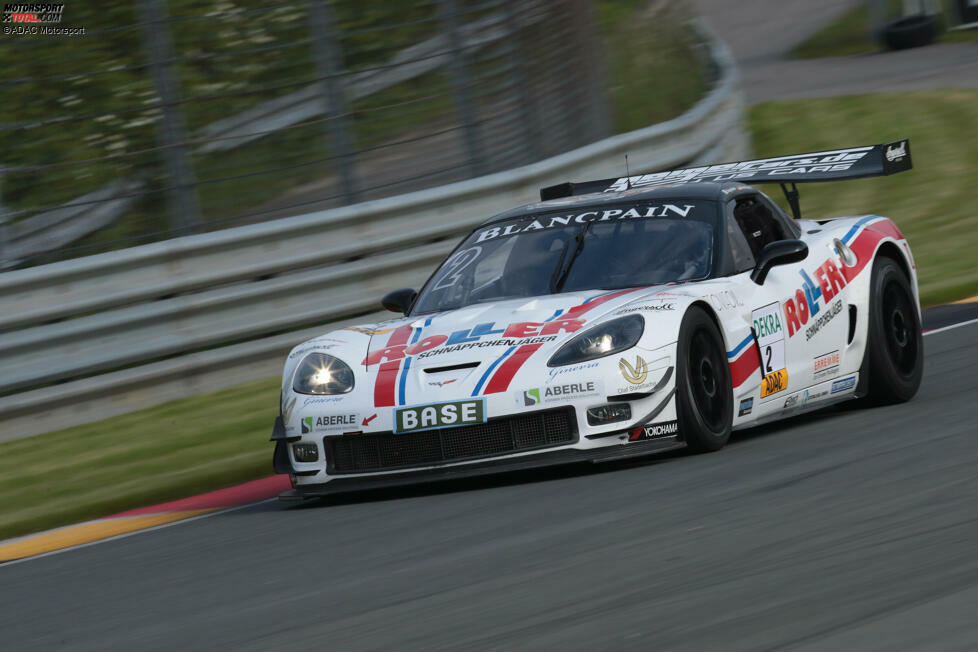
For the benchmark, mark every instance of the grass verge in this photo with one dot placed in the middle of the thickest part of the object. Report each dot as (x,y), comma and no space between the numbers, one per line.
(170,451)
(850,33)
(935,204)
(219,439)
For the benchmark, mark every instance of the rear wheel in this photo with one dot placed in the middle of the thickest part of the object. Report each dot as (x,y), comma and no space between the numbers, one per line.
(895,344)
(704,402)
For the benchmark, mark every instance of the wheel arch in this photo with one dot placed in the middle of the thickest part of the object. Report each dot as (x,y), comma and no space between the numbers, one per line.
(715,318)
(890,249)
(705,305)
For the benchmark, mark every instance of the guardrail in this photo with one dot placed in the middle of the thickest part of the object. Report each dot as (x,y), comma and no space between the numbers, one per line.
(94,337)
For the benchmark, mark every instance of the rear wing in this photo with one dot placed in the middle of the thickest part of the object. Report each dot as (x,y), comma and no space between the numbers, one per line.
(830,165)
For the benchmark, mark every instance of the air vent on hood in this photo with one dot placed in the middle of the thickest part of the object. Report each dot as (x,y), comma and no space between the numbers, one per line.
(453,367)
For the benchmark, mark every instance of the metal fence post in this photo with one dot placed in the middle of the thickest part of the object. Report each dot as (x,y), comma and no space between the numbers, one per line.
(591,59)
(525,106)
(458,64)
(326,49)
(3,228)
(182,196)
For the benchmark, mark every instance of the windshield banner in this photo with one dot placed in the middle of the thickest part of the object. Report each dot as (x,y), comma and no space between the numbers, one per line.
(544,222)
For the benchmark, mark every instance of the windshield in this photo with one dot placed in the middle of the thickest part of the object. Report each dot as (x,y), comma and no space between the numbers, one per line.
(614,246)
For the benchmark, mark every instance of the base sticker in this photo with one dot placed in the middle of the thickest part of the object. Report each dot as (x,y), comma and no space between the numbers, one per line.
(439,415)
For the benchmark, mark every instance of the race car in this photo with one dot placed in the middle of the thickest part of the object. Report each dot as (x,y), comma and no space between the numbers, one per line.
(614,318)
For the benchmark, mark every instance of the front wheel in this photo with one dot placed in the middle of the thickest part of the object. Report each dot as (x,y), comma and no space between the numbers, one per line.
(895,344)
(704,398)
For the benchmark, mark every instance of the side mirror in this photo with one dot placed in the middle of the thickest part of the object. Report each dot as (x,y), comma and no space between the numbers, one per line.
(781,252)
(399,300)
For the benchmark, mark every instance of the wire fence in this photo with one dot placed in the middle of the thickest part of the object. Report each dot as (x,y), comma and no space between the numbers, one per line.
(171,118)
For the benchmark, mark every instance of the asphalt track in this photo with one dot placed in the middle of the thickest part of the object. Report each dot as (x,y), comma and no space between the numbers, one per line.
(844,529)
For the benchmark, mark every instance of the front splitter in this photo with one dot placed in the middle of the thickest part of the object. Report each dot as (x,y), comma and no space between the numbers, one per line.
(476,469)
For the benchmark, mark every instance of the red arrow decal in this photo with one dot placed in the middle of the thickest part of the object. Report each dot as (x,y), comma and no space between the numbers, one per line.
(367,420)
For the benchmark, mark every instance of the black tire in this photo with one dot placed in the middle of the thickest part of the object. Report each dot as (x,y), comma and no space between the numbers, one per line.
(911,32)
(704,398)
(894,357)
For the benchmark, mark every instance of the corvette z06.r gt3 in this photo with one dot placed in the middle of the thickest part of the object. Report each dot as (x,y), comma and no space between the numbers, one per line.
(614,318)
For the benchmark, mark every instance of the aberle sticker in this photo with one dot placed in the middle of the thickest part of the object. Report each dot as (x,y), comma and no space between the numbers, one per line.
(330,423)
(558,392)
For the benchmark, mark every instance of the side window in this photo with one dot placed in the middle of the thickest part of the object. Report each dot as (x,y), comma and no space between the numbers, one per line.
(791,228)
(743,259)
(758,224)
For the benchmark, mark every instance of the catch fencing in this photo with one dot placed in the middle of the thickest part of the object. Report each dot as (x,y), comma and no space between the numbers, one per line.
(166,119)
(98,336)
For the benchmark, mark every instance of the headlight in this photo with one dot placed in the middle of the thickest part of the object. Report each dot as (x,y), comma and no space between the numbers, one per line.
(608,338)
(322,374)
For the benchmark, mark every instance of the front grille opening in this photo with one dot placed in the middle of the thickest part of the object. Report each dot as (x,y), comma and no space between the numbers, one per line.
(387,451)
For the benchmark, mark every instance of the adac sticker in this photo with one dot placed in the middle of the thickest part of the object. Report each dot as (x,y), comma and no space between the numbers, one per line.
(774,383)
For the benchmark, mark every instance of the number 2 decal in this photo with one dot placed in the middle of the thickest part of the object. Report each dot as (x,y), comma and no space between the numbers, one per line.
(455,265)
(768,329)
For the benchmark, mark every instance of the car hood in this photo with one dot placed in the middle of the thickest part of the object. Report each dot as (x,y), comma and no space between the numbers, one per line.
(478,349)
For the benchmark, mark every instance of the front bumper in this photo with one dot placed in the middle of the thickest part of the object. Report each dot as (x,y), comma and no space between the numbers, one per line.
(475,469)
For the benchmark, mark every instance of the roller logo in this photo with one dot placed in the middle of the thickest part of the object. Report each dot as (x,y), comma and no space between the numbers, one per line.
(482,335)
(811,297)
(33,12)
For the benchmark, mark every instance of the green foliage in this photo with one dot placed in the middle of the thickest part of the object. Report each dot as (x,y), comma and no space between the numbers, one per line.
(655,71)
(934,204)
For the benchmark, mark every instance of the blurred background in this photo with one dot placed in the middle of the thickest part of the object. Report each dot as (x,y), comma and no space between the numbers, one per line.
(179,117)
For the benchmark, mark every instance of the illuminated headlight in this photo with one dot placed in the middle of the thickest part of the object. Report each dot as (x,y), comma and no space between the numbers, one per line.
(322,374)
(608,338)
(305,452)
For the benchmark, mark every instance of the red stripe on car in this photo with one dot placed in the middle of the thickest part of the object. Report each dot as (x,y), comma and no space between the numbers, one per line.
(501,379)
(743,367)
(386,384)
(864,245)
(504,375)
(584,307)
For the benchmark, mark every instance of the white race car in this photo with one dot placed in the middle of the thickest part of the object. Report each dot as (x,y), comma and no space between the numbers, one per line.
(615,318)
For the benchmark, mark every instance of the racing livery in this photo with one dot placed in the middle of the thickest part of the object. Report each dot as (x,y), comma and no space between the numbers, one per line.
(614,318)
